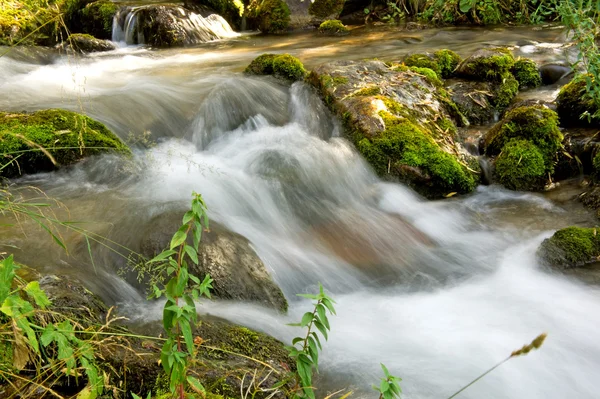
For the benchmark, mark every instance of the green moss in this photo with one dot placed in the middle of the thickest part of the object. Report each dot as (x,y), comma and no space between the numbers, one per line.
(571,247)
(367,91)
(527,74)
(505,92)
(29,22)
(261,65)
(429,75)
(490,65)
(333,27)
(537,124)
(97,18)
(272,16)
(67,136)
(407,151)
(447,60)
(283,66)
(446,126)
(521,166)
(424,61)
(573,101)
(6,357)
(340,80)
(288,67)
(326,8)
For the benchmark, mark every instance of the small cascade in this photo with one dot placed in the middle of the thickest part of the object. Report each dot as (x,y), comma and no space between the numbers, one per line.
(168,25)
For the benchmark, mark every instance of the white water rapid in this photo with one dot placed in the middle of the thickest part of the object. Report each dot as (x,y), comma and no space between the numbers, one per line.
(437,291)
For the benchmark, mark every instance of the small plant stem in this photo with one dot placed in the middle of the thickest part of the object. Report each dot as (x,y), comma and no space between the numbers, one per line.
(178,328)
(305,342)
(480,377)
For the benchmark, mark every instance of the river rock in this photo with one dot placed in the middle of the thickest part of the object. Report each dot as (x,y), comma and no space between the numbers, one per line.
(401,121)
(474,100)
(573,103)
(237,271)
(552,73)
(83,43)
(571,247)
(54,136)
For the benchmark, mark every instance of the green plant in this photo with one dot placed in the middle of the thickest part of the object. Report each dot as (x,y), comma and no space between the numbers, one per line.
(306,349)
(179,314)
(389,387)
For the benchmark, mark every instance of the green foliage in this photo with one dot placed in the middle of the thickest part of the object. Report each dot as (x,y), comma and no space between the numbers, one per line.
(306,349)
(326,8)
(520,166)
(283,66)
(575,104)
(582,18)
(44,140)
(181,290)
(97,18)
(272,16)
(29,22)
(389,387)
(527,74)
(537,124)
(408,152)
(333,27)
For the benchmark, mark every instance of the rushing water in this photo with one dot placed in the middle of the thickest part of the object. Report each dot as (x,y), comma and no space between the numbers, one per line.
(438,291)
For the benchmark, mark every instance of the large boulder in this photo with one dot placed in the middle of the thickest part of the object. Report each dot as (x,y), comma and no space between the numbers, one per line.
(571,247)
(45,140)
(237,271)
(401,121)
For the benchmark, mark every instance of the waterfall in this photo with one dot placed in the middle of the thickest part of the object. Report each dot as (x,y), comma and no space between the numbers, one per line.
(165,25)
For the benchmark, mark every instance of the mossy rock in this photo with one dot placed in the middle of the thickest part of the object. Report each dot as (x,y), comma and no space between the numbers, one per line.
(505,91)
(536,123)
(283,66)
(97,18)
(32,141)
(442,62)
(521,166)
(32,22)
(527,74)
(571,247)
(409,152)
(231,10)
(573,101)
(487,65)
(325,9)
(333,27)
(84,43)
(423,61)
(270,16)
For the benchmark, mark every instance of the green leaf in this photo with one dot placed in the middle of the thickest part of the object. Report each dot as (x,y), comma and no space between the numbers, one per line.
(197,234)
(383,386)
(161,256)
(321,328)
(34,291)
(186,330)
(309,296)
(189,215)
(306,319)
(196,385)
(323,316)
(7,275)
(466,5)
(329,304)
(316,337)
(366,11)
(191,253)
(385,370)
(179,237)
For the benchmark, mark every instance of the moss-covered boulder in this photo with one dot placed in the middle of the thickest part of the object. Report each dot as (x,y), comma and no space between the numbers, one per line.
(521,166)
(270,16)
(571,247)
(84,43)
(527,74)
(400,121)
(236,269)
(326,9)
(284,66)
(333,27)
(442,62)
(535,123)
(487,65)
(574,104)
(29,22)
(45,140)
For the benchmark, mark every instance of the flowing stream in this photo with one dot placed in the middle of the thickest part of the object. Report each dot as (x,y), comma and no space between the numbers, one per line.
(438,291)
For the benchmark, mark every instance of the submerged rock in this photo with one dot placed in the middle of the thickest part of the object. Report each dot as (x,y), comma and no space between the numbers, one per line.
(571,247)
(46,140)
(237,271)
(575,106)
(400,119)
(83,43)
